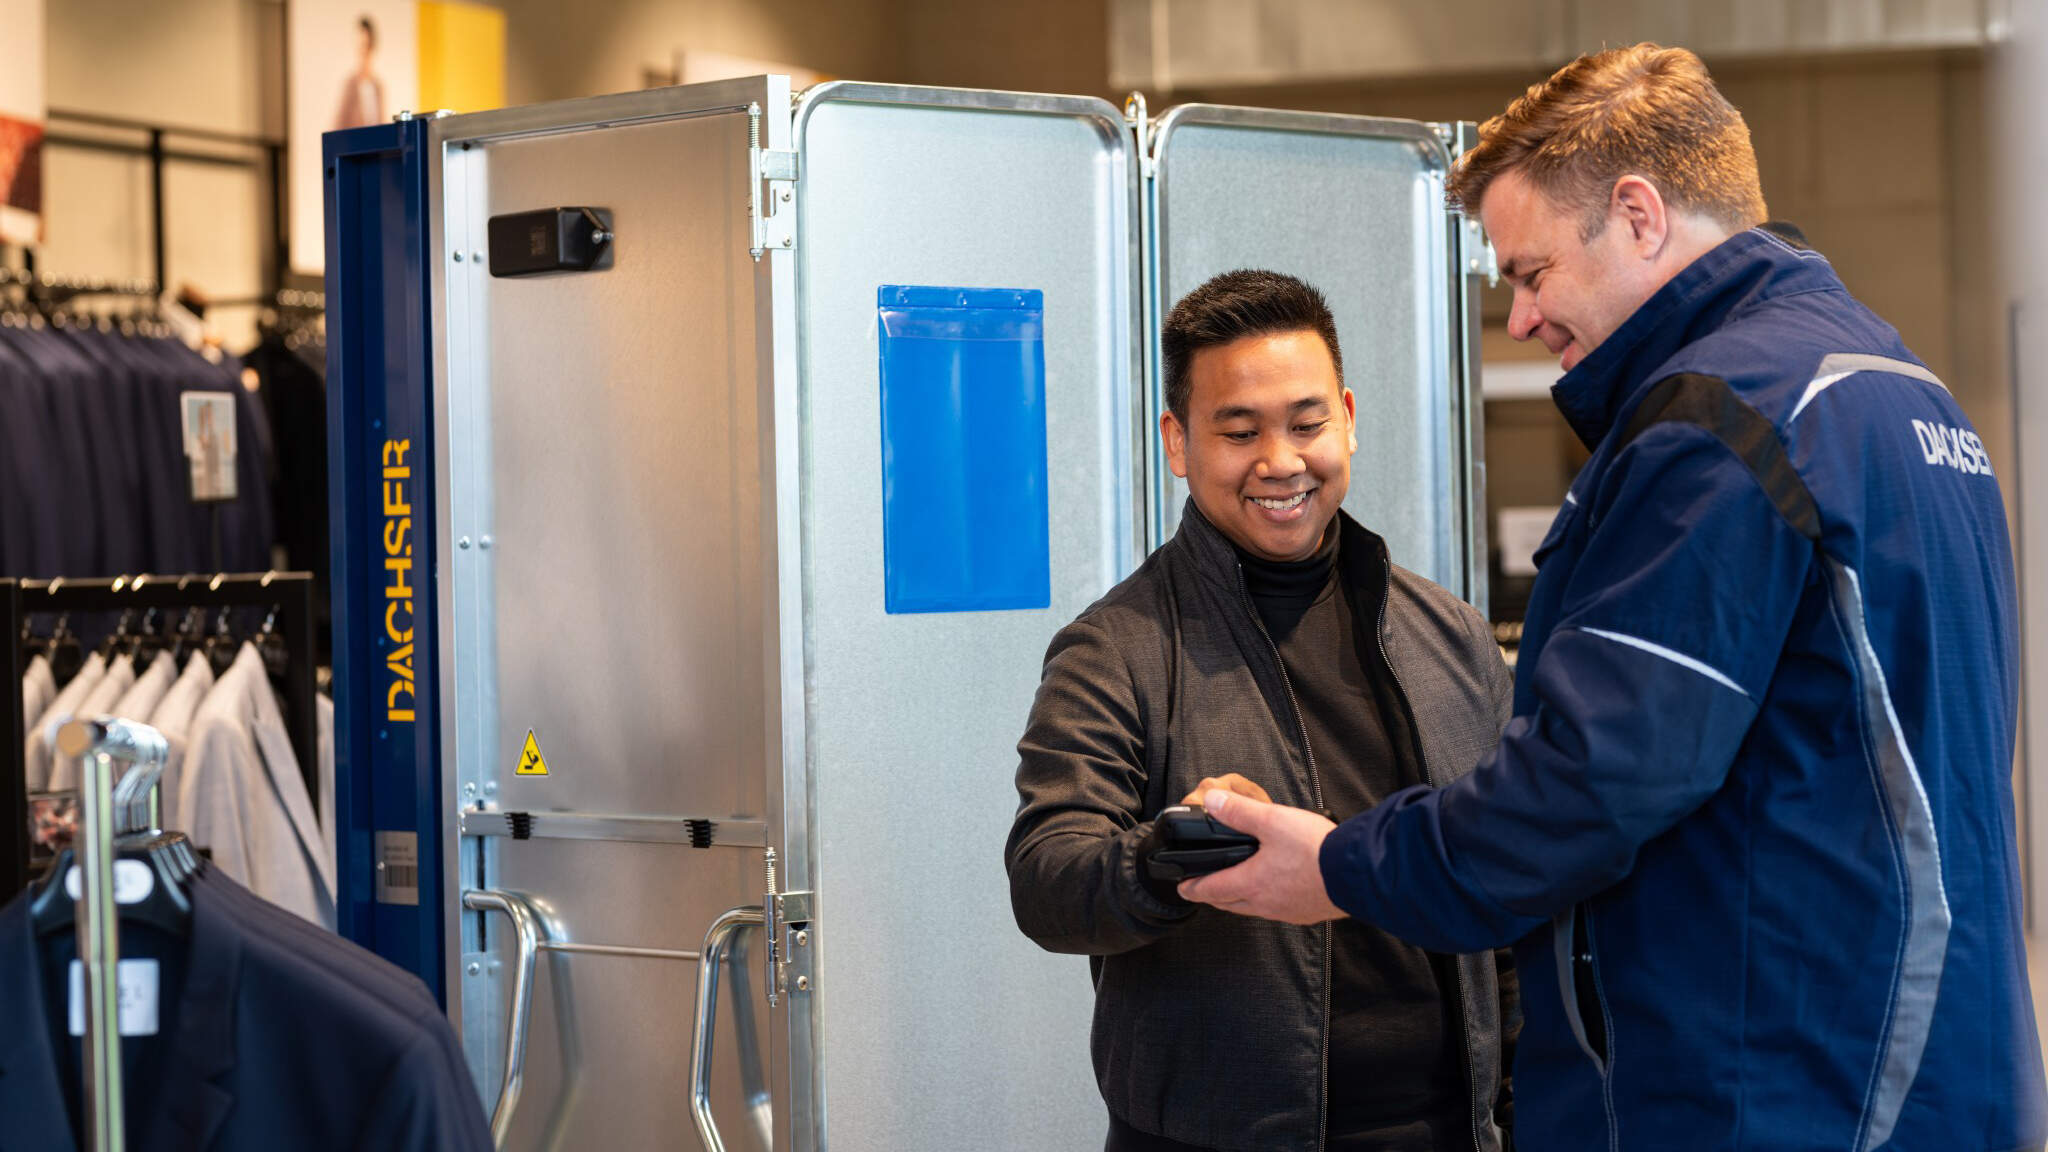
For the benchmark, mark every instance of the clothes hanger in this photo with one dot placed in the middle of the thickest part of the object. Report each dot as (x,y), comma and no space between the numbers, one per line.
(119,642)
(277,655)
(169,857)
(66,654)
(222,646)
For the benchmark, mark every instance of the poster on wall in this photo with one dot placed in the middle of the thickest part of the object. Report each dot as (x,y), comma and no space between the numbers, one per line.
(349,63)
(21,122)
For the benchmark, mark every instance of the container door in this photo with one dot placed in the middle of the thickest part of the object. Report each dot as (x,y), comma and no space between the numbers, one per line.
(607,546)
(968,304)
(1355,206)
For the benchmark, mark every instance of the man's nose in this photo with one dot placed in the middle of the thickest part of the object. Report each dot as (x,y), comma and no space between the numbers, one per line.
(1279,460)
(1523,318)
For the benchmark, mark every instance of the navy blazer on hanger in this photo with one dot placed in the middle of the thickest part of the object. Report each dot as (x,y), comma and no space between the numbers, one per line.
(281,1036)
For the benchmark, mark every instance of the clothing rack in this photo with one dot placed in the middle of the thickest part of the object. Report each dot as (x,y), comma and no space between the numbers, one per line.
(55,291)
(289,593)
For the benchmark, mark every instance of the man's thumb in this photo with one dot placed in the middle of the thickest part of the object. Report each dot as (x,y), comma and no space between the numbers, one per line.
(1240,812)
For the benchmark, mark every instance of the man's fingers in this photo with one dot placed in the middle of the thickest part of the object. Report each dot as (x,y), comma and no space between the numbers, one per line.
(1223,888)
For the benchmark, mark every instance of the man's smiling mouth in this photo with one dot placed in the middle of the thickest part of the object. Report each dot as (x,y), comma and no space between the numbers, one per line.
(1281,505)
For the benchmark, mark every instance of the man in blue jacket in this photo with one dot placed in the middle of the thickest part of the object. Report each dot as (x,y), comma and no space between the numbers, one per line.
(1751,826)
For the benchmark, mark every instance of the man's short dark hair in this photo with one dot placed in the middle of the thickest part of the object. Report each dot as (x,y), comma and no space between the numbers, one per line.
(368,28)
(1232,306)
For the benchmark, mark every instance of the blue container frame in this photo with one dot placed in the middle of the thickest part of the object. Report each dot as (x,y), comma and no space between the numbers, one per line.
(380,429)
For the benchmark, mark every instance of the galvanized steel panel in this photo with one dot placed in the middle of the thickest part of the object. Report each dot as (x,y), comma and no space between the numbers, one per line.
(1355,207)
(939,1025)
(610,547)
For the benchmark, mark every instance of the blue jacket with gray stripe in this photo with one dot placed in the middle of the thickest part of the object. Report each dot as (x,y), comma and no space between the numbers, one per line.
(1752,822)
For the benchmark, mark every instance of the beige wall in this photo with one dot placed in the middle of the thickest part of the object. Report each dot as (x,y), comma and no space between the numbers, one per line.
(557,51)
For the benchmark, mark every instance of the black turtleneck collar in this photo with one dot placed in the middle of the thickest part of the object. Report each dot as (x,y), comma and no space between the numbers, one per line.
(1282,590)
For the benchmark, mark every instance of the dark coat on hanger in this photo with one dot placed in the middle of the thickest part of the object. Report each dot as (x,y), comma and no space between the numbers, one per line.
(281,1036)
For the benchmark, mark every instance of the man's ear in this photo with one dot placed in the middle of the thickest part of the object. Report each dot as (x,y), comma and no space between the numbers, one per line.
(1642,211)
(1175,438)
(1351,421)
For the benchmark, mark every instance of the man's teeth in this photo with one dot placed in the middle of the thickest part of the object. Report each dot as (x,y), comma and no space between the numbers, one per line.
(1281,505)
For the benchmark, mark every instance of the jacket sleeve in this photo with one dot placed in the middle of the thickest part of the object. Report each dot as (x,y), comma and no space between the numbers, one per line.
(1667,636)
(1081,776)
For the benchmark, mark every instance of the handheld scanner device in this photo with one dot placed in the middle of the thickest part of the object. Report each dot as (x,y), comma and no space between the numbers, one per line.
(1196,844)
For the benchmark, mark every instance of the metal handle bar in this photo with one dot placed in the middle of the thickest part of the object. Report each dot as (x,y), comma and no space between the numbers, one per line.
(526,929)
(717,947)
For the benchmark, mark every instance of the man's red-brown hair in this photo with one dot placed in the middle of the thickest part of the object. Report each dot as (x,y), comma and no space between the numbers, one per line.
(1650,111)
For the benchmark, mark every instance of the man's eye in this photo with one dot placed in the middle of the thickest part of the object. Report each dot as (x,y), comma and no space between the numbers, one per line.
(1311,429)
(1239,437)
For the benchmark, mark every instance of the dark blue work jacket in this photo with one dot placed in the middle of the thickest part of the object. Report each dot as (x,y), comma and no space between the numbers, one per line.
(1752,822)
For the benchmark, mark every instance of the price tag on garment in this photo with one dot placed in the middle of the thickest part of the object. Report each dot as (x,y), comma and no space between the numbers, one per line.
(137,1010)
(133,882)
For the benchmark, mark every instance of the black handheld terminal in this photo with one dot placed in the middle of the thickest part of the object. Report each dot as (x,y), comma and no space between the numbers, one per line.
(1196,844)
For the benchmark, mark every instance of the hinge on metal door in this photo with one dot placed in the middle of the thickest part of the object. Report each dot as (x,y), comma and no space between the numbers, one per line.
(771,196)
(784,912)
(1475,251)
(1479,257)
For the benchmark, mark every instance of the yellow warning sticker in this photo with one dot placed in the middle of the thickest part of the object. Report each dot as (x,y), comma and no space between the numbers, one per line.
(531,762)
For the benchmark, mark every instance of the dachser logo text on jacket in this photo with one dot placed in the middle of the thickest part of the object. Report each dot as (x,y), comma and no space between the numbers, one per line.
(1956,447)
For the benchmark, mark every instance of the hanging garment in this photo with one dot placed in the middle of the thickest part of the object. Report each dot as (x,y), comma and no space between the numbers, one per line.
(118,678)
(37,756)
(93,476)
(241,795)
(173,718)
(38,687)
(272,1035)
(294,397)
(31,532)
(141,700)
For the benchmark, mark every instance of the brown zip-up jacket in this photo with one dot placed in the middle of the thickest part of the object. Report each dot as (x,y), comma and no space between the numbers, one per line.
(1209,1027)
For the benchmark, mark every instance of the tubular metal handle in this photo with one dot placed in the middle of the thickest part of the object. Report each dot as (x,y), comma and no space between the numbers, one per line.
(526,929)
(718,942)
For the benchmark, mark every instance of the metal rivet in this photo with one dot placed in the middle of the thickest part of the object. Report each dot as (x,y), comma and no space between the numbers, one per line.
(477,257)
(380,865)
(483,541)
(462,543)
(786,241)
(785,197)
(458,257)
(474,969)
(490,787)
(803,983)
(802,938)
(469,789)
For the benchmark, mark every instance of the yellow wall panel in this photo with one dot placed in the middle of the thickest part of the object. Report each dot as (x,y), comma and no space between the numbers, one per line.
(462,56)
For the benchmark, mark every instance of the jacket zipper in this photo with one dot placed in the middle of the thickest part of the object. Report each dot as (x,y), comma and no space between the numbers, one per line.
(1315,787)
(1422,765)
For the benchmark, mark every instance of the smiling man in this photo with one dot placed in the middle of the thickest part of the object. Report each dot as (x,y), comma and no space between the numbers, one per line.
(1751,826)
(1271,648)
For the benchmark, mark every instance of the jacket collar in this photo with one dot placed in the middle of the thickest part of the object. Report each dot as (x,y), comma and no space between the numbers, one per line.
(199,1092)
(1752,266)
(1361,553)
(196,1097)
